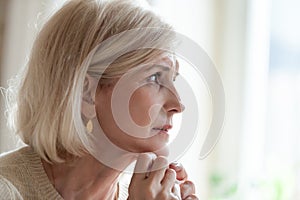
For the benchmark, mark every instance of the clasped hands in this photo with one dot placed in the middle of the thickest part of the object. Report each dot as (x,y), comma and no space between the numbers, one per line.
(162,182)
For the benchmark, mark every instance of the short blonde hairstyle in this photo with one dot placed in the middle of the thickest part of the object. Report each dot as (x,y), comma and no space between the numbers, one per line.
(45,108)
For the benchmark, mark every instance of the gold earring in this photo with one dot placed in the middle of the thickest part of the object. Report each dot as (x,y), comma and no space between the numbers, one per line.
(89,126)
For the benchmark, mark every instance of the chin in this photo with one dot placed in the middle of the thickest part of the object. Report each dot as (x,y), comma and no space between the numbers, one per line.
(159,151)
(157,144)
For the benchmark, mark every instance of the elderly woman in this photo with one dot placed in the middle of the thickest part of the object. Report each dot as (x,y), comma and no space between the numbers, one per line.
(96,96)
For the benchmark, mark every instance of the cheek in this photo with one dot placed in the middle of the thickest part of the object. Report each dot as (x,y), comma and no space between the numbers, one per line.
(144,106)
(103,111)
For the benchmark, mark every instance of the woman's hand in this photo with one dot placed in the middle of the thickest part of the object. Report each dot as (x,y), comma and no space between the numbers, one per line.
(153,185)
(187,188)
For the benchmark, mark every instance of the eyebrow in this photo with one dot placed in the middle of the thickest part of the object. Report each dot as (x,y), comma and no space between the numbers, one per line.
(164,68)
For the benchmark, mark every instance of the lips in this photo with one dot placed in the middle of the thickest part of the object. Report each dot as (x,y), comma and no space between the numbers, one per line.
(164,128)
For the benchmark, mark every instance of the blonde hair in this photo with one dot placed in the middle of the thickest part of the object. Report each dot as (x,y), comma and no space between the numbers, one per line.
(45,110)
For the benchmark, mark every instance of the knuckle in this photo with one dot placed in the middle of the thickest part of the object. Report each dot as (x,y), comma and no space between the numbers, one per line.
(160,163)
(145,157)
(161,160)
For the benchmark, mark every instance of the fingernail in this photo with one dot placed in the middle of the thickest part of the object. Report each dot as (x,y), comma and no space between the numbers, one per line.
(171,172)
(185,185)
(176,165)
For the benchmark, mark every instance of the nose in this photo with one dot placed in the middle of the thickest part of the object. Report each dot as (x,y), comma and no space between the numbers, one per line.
(173,103)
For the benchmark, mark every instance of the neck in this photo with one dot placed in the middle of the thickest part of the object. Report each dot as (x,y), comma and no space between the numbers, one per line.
(83,178)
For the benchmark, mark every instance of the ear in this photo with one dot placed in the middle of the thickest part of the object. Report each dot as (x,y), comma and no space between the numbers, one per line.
(88,97)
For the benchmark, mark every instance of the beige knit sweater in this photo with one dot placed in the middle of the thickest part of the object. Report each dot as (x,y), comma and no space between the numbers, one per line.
(22,176)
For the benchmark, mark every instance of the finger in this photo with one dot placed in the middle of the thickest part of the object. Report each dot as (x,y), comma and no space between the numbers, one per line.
(158,169)
(176,190)
(187,188)
(142,166)
(169,179)
(191,197)
(181,173)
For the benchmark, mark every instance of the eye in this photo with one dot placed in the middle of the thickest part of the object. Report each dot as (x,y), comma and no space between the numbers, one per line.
(154,77)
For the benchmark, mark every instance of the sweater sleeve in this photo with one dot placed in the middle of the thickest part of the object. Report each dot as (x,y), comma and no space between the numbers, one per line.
(8,191)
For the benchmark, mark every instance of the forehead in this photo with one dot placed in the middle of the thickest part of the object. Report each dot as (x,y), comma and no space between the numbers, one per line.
(164,63)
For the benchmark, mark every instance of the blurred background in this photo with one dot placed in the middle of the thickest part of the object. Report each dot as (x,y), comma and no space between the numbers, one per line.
(255,45)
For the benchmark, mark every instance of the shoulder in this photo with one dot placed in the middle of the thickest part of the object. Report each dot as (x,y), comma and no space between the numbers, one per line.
(11,165)
(14,158)
(22,172)
(8,190)
(15,170)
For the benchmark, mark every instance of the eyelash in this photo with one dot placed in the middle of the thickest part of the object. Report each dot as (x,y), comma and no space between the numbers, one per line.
(156,76)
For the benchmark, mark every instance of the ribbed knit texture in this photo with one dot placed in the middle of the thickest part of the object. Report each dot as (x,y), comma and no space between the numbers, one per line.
(22,176)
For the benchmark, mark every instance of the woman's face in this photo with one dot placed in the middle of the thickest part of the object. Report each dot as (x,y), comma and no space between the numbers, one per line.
(136,112)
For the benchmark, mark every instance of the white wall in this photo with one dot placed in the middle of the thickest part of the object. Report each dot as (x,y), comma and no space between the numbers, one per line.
(22,21)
